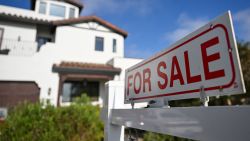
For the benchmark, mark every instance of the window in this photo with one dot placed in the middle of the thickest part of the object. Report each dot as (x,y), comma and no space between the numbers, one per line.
(42,8)
(99,43)
(71,13)
(57,10)
(114,45)
(73,89)
(41,41)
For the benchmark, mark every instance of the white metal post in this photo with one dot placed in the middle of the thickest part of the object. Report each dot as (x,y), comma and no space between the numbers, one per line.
(114,99)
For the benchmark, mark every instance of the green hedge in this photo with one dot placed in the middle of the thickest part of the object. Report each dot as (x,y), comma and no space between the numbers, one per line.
(35,122)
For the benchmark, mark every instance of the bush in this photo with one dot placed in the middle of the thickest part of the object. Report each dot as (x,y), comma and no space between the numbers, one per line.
(34,122)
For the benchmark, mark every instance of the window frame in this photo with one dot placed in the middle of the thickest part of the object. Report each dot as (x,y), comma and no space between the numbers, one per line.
(114,46)
(98,37)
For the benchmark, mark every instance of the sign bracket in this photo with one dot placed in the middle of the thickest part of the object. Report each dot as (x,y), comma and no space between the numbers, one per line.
(203,97)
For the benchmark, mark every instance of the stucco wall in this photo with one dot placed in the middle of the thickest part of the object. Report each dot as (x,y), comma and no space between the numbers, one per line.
(79,44)
(12,31)
(123,63)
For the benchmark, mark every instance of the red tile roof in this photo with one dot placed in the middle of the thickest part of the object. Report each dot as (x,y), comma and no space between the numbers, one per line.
(87,66)
(88,19)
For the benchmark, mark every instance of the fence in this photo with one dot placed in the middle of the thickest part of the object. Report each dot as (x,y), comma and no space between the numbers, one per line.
(215,123)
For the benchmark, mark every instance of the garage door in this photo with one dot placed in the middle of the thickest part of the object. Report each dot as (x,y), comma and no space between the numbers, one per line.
(12,93)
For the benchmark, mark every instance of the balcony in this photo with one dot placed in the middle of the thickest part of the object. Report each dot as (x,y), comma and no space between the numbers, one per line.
(18,48)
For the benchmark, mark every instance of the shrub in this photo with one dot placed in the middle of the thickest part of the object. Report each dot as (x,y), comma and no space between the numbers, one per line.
(34,122)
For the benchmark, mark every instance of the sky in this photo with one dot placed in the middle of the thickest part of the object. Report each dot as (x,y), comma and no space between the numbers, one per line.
(154,25)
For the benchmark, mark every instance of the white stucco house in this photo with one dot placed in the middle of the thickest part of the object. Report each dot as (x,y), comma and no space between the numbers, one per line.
(50,53)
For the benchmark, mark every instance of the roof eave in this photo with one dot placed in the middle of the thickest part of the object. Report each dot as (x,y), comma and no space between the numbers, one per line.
(93,19)
(76,70)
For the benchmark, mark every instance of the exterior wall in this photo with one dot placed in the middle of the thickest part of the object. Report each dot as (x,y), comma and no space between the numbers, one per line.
(19,38)
(123,63)
(34,68)
(82,46)
(13,30)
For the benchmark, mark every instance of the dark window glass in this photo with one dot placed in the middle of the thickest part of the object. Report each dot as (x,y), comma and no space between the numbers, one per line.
(42,7)
(71,13)
(114,45)
(57,10)
(73,89)
(99,43)
(41,41)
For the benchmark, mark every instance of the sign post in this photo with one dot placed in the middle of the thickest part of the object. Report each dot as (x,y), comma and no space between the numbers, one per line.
(206,61)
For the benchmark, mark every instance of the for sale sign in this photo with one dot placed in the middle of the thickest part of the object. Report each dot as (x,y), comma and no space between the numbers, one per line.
(206,60)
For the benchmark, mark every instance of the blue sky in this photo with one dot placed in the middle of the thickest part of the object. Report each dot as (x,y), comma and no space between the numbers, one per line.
(155,24)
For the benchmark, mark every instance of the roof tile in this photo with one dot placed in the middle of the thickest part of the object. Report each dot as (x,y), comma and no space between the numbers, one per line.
(89,66)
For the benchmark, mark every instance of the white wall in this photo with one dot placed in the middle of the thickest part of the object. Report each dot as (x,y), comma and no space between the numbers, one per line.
(19,38)
(12,31)
(123,63)
(78,44)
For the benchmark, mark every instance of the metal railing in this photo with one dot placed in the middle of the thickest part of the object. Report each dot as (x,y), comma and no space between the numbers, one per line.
(18,48)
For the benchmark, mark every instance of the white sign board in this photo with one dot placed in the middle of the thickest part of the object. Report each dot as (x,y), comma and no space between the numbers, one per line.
(206,59)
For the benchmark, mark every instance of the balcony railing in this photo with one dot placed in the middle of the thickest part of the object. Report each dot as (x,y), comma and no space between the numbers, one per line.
(18,48)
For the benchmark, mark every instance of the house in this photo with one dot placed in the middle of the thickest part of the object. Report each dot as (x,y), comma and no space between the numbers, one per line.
(50,53)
